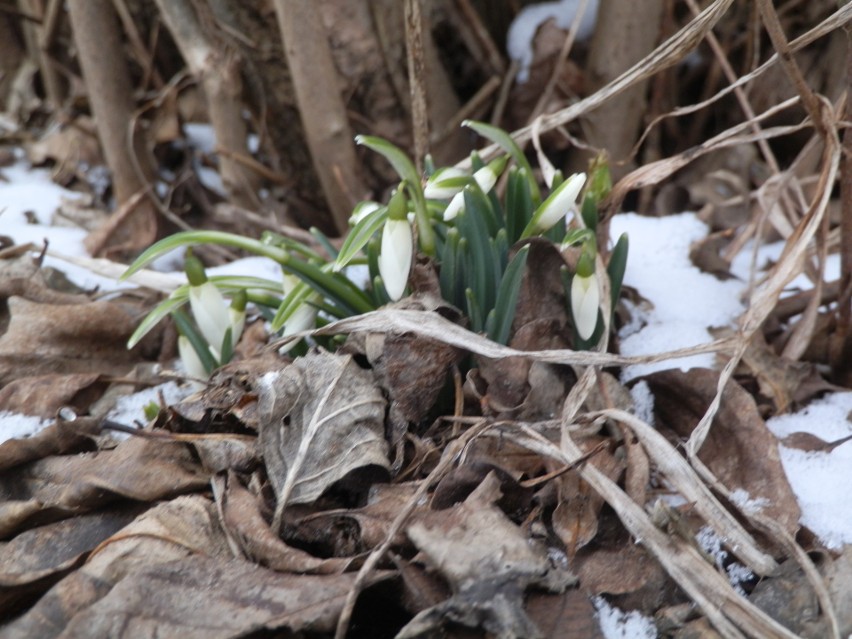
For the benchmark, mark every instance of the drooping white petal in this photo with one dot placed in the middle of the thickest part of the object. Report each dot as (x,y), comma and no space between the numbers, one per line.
(559,203)
(585,303)
(486,178)
(444,183)
(395,256)
(210,311)
(454,207)
(302,319)
(191,361)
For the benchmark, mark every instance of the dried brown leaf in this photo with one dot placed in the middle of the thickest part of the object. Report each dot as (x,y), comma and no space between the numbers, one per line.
(320,418)
(565,614)
(245,523)
(487,560)
(43,395)
(739,449)
(575,519)
(620,570)
(345,532)
(57,439)
(65,338)
(138,469)
(164,534)
(201,597)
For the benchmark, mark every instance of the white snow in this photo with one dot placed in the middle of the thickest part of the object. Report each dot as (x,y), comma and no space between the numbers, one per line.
(686,302)
(617,624)
(519,40)
(821,480)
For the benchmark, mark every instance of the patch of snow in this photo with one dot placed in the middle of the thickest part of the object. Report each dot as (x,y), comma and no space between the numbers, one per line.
(744,501)
(130,409)
(711,543)
(15,425)
(256,266)
(617,624)
(820,480)
(643,401)
(686,301)
(519,40)
(26,190)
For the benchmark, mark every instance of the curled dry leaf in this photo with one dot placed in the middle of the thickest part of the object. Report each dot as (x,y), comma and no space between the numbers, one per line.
(60,438)
(568,613)
(320,418)
(198,596)
(137,469)
(625,569)
(33,560)
(345,531)
(165,534)
(44,338)
(43,395)
(487,560)
(739,450)
(575,519)
(245,523)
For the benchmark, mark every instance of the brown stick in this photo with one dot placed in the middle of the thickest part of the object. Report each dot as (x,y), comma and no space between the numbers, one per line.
(321,108)
(97,35)
(217,67)
(417,80)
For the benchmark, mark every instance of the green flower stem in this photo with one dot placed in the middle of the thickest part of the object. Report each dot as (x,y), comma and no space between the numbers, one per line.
(425,232)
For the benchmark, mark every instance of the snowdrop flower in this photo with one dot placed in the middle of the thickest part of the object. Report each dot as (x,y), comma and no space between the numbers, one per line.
(191,361)
(305,315)
(556,206)
(445,183)
(209,308)
(585,296)
(486,178)
(302,319)
(395,256)
(397,247)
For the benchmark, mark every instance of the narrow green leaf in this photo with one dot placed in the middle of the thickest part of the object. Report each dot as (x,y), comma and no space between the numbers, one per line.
(359,236)
(472,225)
(474,313)
(380,292)
(379,297)
(393,154)
(589,212)
(519,204)
(507,297)
(187,328)
(164,308)
(322,238)
(270,238)
(334,285)
(464,267)
(617,267)
(291,303)
(227,346)
(447,277)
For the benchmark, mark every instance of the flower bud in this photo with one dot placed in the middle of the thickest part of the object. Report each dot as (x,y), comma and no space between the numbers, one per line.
(395,256)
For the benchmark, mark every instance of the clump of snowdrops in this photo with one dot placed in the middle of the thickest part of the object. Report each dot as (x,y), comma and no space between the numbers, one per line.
(475,238)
